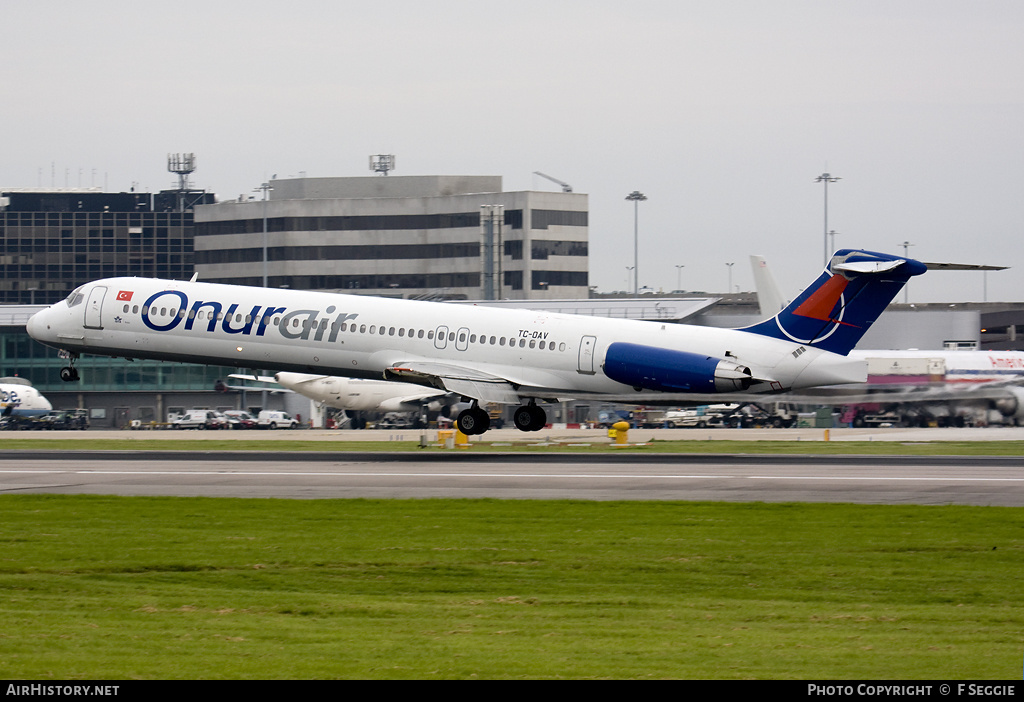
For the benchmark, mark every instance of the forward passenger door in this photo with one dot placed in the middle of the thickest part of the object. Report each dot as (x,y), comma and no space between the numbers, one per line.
(94,307)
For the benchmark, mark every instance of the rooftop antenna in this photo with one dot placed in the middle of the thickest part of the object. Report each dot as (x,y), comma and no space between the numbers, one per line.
(382,163)
(184,165)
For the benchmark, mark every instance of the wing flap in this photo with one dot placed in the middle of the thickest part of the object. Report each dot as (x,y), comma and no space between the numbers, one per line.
(481,386)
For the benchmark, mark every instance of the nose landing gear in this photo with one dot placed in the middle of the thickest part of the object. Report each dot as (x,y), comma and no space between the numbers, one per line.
(69,373)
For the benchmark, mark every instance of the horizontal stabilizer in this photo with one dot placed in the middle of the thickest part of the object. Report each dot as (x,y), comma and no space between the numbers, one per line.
(866,266)
(963,267)
(835,311)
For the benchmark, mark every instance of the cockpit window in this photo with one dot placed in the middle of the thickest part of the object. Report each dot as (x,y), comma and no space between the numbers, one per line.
(76,297)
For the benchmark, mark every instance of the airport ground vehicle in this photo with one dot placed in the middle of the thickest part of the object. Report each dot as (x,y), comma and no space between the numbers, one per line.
(200,419)
(772,414)
(66,419)
(699,417)
(275,419)
(240,419)
(54,420)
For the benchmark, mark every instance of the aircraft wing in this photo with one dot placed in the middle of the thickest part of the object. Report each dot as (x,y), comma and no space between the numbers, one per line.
(481,386)
(258,379)
(254,377)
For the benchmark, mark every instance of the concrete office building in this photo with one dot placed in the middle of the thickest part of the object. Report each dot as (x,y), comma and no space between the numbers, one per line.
(445,237)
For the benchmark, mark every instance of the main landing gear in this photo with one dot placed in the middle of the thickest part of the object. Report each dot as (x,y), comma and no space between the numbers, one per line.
(473,421)
(476,421)
(530,418)
(69,373)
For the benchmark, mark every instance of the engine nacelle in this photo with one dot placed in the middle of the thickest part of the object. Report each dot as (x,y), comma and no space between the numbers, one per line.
(667,370)
(1012,407)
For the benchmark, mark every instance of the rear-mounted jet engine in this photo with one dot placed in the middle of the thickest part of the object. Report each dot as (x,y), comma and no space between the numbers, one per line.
(667,370)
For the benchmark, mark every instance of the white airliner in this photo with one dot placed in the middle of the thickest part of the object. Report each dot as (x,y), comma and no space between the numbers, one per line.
(19,399)
(507,356)
(357,394)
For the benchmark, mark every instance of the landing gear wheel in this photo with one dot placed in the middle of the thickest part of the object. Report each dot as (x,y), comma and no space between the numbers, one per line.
(473,421)
(68,374)
(529,418)
(540,418)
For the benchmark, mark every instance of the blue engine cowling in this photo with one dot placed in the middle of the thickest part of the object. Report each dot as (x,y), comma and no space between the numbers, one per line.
(667,370)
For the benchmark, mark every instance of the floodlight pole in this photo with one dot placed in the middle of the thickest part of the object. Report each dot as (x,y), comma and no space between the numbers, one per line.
(826,178)
(266,188)
(906,286)
(637,197)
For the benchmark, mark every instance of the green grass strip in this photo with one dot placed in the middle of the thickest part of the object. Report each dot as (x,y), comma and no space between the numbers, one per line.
(196,588)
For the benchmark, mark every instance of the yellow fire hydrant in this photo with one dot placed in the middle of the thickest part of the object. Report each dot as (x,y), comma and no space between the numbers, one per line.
(619,432)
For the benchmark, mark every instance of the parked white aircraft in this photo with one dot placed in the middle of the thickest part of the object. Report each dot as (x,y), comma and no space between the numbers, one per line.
(506,356)
(19,399)
(357,394)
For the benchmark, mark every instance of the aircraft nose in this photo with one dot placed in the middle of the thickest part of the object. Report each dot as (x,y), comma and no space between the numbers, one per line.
(36,325)
(31,324)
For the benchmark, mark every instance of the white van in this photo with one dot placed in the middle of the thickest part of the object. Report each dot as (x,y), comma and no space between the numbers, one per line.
(275,419)
(200,419)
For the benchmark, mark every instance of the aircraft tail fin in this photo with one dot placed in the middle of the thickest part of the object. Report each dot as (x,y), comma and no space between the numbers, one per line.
(769,299)
(835,311)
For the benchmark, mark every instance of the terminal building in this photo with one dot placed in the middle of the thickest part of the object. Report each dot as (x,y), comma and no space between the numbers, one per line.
(52,241)
(440,237)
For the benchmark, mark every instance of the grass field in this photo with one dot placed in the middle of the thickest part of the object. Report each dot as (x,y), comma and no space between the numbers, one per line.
(152,588)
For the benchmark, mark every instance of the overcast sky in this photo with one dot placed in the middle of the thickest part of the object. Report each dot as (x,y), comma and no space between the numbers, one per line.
(722,112)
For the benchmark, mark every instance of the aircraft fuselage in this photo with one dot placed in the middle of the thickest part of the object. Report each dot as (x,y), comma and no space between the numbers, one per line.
(541,355)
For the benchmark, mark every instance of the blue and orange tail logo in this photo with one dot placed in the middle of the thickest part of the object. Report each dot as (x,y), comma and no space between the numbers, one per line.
(836,310)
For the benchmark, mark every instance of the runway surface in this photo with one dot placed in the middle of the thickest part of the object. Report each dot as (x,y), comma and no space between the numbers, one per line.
(319,475)
(886,434)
